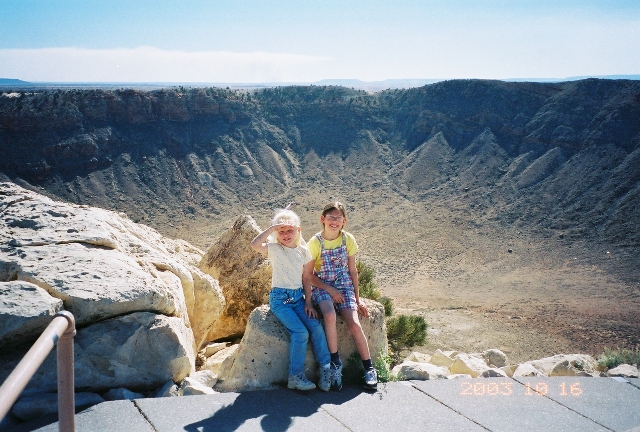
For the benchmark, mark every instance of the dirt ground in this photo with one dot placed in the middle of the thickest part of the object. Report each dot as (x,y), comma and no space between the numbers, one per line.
(480,285)
(530,303)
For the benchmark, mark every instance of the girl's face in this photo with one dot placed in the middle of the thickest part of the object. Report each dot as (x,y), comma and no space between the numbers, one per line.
(288,235)
(333,221)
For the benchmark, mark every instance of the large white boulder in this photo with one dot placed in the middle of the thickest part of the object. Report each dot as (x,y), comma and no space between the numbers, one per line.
(624,370)
(576,362)
(262,358)
(244,276)
(410,370)
(25,311)
(470,364)
(139,351)
(100,264)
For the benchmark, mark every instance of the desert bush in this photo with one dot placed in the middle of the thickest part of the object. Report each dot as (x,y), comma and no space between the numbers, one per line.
(368,289)
(612,358)
(383,366)
(353,372)
(405,331)
(388,305)
(367,286)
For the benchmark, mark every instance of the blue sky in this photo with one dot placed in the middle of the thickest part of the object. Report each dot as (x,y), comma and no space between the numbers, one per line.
(308,40)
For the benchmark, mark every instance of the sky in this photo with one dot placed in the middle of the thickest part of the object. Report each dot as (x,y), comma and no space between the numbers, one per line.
(259,41)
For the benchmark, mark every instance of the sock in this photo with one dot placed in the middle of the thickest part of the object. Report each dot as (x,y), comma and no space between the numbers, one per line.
(367,364)
(335,360)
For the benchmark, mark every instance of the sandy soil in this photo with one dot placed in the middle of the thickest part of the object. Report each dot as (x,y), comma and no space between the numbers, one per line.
(480,285)
(532,302)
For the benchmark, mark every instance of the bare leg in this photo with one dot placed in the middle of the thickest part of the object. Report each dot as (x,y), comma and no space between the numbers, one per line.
(329,314)
(353,323)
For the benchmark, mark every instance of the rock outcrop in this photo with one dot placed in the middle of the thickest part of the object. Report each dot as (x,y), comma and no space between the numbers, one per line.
(142,308)
(262,357)
(494,363)
(244,276)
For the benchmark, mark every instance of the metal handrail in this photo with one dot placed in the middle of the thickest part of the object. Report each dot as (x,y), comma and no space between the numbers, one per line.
(61,330)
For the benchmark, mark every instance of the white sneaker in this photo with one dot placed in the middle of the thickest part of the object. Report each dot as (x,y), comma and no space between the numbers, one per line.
(336,378)
(300,382)
(324,383)
(370,379)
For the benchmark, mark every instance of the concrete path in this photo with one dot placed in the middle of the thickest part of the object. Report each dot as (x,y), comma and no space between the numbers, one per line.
(495,404)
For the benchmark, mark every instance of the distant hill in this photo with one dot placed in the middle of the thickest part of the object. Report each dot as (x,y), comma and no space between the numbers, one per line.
(523,190)
(556,157)
(14,82)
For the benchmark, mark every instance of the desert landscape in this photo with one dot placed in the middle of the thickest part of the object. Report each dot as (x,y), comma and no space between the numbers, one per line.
(504,213)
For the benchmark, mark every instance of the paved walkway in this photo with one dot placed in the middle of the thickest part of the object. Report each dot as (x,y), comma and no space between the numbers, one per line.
(495,404)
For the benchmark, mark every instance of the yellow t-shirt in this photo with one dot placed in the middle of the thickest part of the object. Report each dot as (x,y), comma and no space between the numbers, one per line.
(315,248)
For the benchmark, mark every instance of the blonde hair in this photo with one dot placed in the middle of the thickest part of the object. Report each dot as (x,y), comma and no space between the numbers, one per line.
(287,217)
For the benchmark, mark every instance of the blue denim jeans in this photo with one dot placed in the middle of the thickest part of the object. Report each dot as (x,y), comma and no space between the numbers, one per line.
(288,306)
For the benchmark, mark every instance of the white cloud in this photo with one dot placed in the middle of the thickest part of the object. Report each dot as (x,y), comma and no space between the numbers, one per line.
(149,64)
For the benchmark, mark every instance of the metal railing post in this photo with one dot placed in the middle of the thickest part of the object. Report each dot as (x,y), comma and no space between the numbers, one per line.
(66,381)
(62,330)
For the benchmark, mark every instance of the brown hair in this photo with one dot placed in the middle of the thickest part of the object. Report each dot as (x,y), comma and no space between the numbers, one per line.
(336,205)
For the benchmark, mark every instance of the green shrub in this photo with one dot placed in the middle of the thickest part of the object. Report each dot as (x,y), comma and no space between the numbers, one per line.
(366,285)
(613,358)
(405,331)
(353,372)
(388,305)
(383,367)
(368,289)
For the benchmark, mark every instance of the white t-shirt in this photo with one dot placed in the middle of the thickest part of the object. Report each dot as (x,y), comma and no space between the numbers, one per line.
(287,264)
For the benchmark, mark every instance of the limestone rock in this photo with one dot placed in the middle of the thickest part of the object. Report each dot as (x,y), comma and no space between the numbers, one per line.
(410,370)
(190,387)
(36,405)
(138,351)
(121,394)
(419,357)
(495,357)
(169,389)
(441,359)
(205,377)
(509,370)
(262,358)
(493,373)
(99,263)
(224,356)
(582,362)
(468,364)
(212,348)
(624,370)
(526,370)
(25,311)
(459,376)
(565,368)
(244,276)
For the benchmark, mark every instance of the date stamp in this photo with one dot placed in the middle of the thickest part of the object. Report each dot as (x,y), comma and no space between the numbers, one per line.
(506,388)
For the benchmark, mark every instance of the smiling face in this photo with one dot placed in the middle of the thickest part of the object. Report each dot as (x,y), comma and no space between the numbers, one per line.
(288,235)
(333,221)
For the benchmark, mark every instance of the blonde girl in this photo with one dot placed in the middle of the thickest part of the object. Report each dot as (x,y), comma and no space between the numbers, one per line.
(290,297)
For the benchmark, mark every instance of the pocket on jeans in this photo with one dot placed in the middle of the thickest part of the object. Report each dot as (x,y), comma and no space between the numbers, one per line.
(278,295)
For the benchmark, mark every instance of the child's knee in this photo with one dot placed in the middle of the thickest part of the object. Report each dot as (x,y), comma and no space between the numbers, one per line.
(354,327)
(299,336)
(329,317)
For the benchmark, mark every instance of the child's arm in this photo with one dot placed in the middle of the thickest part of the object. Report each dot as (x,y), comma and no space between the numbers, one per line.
(335,295)
(259,243)
(306,286)
(353,272)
